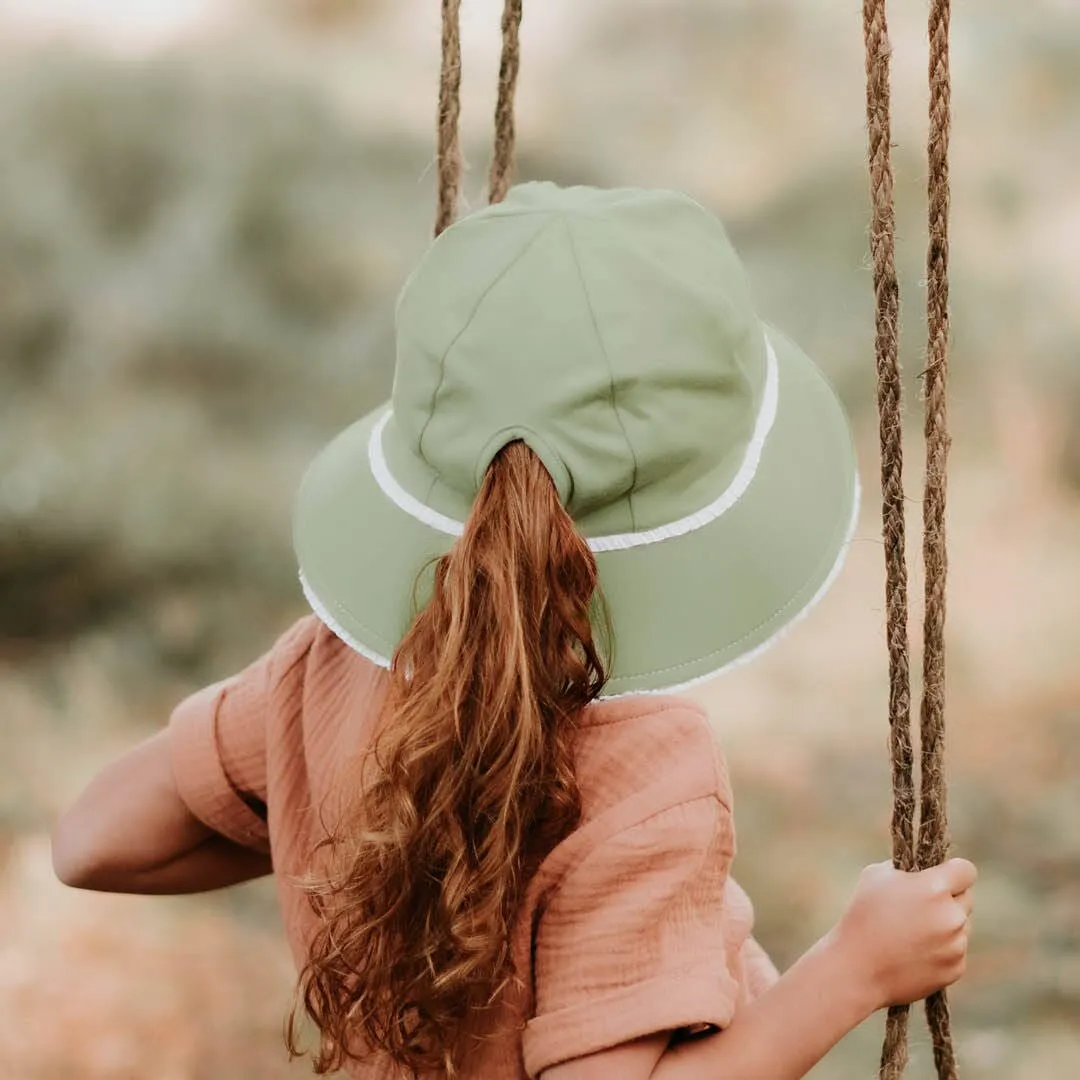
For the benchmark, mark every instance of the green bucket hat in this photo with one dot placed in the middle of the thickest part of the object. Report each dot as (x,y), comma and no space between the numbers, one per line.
(699,451)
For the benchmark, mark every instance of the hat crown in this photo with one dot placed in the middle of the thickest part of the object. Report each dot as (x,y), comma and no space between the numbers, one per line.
(611,330)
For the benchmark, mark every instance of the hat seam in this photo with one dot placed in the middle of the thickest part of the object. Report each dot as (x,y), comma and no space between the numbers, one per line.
(458,336)
(719,298)
(611,373)
(431,492)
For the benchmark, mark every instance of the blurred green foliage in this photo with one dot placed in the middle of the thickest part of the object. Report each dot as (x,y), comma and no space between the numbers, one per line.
(193,264)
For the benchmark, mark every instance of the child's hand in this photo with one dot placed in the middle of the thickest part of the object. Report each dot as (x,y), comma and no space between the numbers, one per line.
(907,933)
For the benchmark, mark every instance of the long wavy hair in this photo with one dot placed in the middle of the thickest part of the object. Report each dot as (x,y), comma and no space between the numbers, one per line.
(468,785)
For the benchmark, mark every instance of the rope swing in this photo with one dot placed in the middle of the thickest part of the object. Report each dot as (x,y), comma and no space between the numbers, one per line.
(933,836)
(930,846)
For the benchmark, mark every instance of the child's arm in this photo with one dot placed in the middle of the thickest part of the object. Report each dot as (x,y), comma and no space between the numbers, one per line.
(903,937)
(130,831)
(784,1033)
(779,1036)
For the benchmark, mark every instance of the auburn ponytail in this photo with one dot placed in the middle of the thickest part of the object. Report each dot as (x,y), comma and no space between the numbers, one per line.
(469,784)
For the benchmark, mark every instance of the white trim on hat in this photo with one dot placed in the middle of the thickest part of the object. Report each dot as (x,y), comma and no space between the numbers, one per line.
(379,660)
(412,506)
(337,629)
(766,417)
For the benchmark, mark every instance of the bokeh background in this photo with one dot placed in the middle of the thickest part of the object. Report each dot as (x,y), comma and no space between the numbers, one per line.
(206,209)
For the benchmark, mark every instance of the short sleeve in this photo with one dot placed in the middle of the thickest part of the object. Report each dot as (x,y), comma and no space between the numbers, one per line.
(632,941)
(217,742)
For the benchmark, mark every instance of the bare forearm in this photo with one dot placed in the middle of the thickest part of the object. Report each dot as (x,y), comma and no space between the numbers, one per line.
(214,864)
(783,1034)
(130,832)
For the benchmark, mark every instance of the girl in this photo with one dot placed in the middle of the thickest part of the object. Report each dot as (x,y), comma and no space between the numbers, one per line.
(502,842)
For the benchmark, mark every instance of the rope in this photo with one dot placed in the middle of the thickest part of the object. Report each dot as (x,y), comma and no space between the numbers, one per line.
(933,846)
(448,152)
(933,840)
(502,161)
(889,399)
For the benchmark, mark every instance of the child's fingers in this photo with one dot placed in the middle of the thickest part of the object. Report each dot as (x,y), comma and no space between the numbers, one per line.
(960,875)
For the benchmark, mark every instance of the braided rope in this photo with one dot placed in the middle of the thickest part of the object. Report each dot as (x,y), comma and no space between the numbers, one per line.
(933,840)
(933,843)
(448,152)
(889,400)
(502,161)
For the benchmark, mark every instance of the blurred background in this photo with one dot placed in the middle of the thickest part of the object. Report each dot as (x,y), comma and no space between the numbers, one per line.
(206,209)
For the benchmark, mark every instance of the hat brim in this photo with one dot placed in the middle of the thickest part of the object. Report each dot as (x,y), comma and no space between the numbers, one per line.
(680,609)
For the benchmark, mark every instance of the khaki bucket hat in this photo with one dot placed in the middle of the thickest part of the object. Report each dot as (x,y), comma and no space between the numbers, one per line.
(700,452)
